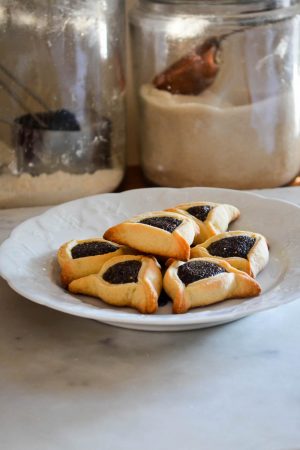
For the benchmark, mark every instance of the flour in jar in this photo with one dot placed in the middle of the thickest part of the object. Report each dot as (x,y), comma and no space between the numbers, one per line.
(26,190)
(242,132)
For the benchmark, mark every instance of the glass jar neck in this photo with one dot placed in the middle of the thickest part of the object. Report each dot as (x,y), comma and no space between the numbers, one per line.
(224,6)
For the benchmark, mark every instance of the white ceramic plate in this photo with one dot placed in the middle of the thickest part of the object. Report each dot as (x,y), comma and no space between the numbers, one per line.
(28,263)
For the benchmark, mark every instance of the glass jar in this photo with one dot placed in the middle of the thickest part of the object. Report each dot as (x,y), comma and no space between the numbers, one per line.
(219,89)
(62,89)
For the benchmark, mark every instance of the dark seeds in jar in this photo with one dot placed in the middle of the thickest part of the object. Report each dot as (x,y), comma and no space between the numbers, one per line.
(92,249)
(165,223)
(198,270)
(123,272)
(232,246)
(200,212)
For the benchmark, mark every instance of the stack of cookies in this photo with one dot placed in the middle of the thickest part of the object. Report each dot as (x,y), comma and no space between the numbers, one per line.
(185,252)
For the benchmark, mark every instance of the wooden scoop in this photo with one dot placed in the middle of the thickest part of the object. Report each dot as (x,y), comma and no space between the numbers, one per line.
(194,72)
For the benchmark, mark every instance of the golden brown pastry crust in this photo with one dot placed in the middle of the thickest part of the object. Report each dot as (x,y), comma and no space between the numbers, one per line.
(72,269)
(217,221)
(142,295)
(257,257)
(149,239)
(231,284)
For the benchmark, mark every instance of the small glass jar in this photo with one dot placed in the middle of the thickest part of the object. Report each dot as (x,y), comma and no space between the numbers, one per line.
(62,89)
(219,88)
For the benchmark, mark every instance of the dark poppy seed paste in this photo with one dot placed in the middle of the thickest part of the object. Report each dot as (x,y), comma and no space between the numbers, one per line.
(165,223)
(198,270)
(123,272)
(163,299)
(92,249)
(200,212)
(232,246)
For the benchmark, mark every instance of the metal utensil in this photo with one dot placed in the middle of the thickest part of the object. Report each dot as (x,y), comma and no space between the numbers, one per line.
(48,141)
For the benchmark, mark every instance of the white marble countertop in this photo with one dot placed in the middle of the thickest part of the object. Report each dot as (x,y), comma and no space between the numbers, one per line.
(72,384)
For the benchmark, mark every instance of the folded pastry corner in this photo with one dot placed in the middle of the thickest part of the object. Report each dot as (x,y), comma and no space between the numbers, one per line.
(211,218)
(79,258)
(161,233)
(128,280)
(205,281)
(244,250)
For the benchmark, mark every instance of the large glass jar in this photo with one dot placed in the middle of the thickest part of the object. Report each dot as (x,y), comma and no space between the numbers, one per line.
(62,88)
(219,90)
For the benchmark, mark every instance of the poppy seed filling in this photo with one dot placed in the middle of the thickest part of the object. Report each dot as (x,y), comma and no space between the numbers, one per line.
(232,246)
(198,270)
(166,223)
(200,212)
(123,272)
(92,249)
(163,299)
